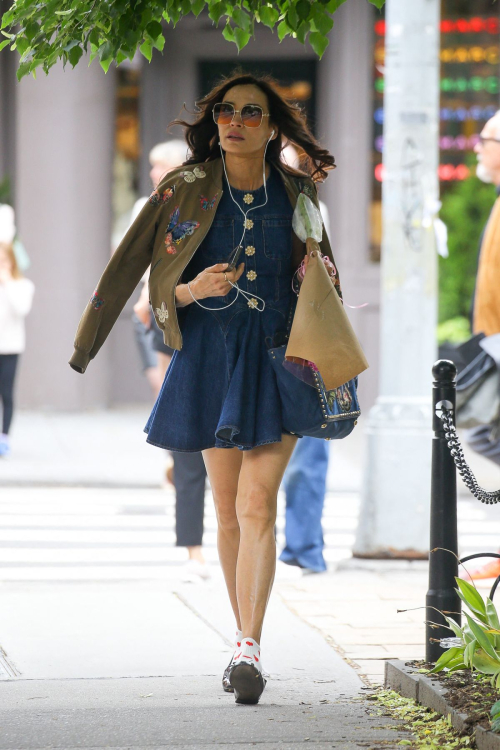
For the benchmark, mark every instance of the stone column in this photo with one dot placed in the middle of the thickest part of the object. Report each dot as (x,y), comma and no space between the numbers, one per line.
(64,152)
(346,128)
(394,520)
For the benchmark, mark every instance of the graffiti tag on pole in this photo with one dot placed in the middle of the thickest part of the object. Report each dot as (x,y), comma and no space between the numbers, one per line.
(412,201)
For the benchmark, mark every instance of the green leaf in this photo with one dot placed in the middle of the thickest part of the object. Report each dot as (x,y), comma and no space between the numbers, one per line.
(268,16)
(471,594)
(146,49)
(492,615)
(283,30)
(495,709)
(106,63)
(302,31)
(242,19)
(22,44)
(303,9)
(456,667)
(64,12)
(444,659)
(469,652)
(4,43)
(377,3)
(322,21)
(154,29)
(241,38)
(120,57)
(484,663)
(318,42)
(159,43)
(228,33)
(482,638)
(454,626)
(32,29)
(292,18)
(217,11)
(197,6)
(23,70)
(333,5)
(74,55)
(7,19)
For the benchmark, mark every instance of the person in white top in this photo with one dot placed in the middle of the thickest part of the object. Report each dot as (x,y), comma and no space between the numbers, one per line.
(16,297)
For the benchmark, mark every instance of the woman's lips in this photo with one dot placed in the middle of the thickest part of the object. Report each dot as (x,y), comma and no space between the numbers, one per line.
(233,137)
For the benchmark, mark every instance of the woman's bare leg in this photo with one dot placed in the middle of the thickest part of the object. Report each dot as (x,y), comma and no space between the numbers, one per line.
(223,468)
(259,480)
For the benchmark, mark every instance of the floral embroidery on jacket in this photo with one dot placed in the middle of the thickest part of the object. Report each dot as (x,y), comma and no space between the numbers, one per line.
(162,313)
(191,176)
(96,301)
(156,198)
(207,204)
(176,231)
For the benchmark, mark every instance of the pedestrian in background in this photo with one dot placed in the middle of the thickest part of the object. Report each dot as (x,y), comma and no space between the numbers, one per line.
(16,297)
(486,304)
(305,477)
(188,473)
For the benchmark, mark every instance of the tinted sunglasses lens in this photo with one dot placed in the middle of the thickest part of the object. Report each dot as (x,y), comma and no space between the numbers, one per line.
(251,116)
(223,113)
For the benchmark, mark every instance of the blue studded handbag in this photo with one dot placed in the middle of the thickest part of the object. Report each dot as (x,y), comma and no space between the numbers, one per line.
(308,409)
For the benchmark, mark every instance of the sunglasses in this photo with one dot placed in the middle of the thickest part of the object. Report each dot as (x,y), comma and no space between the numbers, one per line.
(483,140)
(251,114)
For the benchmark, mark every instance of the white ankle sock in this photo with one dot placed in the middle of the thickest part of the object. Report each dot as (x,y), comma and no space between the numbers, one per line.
(249,653)
(237,639)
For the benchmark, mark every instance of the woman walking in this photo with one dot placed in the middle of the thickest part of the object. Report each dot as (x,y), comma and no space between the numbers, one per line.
(16,296)
(218,235)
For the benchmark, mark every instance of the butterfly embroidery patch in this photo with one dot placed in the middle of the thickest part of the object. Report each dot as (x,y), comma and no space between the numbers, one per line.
(162,313)
(157,199)
(96,301)
(191,176)
(207,204)
(176,231)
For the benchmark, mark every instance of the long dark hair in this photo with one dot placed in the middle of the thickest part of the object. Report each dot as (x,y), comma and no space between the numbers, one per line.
(202,135)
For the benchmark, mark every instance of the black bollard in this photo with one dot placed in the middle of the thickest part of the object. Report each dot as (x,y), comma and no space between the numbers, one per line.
(443,566)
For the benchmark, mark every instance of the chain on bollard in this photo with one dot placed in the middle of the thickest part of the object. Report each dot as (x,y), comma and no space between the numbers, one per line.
(443,565)
(446,415)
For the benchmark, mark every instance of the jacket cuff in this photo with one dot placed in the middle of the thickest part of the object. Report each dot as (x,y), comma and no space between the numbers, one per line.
(79,361)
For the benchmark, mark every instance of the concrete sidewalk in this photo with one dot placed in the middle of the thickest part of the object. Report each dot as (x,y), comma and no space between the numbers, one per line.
(139,665)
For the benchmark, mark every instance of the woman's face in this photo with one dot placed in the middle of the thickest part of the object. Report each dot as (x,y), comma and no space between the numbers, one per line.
(236,138)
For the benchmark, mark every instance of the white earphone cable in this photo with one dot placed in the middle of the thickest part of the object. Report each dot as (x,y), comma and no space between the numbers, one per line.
(247,296)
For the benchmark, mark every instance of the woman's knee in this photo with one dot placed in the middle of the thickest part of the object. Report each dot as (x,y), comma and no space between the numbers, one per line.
(225,509)
(256,505)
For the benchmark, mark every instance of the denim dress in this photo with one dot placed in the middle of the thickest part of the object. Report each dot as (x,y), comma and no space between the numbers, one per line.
(220,389)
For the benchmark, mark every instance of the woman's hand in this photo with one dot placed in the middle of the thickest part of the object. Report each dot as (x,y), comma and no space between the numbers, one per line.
(209,283)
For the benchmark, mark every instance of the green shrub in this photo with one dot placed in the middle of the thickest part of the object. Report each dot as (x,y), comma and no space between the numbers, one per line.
(465,210)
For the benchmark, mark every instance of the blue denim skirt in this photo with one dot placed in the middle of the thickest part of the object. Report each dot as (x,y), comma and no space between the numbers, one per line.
(220,389)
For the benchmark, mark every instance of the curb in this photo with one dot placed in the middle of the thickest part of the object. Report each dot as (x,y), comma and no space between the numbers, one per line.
(427,692)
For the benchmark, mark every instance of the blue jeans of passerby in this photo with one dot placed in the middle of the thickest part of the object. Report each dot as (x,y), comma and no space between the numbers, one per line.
(305,485)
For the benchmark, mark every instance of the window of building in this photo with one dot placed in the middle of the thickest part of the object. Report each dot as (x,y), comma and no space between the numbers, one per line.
(469,94)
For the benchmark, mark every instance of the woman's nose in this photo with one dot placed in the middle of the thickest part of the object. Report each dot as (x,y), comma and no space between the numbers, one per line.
(234,119)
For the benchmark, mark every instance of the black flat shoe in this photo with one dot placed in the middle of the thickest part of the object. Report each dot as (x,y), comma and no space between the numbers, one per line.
(247,682)
(226,685)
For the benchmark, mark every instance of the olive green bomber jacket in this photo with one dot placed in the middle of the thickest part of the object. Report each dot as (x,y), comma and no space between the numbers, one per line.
(165,236)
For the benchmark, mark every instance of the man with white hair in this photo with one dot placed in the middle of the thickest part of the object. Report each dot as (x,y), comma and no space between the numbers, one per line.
(189,473)
(486,305)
